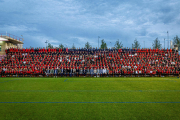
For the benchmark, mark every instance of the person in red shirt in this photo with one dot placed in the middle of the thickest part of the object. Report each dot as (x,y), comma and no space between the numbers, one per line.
(154,72)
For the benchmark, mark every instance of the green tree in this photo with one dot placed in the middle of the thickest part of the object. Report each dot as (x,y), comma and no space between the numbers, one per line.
(103,44)
(118,45)
(61,46)
(176,41)
(87,45)
(73,46)
(156,43)
(136,44)
(49,45)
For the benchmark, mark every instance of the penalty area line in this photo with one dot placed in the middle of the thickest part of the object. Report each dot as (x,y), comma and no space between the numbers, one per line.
(89,102)
(65,80)
(9,80)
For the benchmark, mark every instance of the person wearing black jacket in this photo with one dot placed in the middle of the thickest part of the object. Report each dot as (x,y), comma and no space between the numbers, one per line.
(84,71)
(2,73)
(65,72)
(179,71)
(61,72)
(122,72)
(68,72)
(77,72)
(44,71)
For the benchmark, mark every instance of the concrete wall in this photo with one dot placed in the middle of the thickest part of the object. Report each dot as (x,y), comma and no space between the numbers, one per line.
(2,43)
(6,45)
(20,46)
(10,45)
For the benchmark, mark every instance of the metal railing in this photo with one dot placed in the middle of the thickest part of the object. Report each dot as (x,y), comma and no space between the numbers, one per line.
(6,35)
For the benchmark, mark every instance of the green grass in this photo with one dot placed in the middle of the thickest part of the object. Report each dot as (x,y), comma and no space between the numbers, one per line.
(89,98)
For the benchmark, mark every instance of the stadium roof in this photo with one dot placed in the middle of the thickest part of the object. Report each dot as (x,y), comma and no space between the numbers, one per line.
(3,39)
(10,39)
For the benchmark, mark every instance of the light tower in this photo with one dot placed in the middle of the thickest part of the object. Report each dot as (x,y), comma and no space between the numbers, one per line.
(98,42)
(168,38)
(46,43)
(144,44)
(22,41)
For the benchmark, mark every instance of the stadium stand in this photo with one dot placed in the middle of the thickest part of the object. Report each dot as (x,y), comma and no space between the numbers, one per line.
(2,56)
(90,62)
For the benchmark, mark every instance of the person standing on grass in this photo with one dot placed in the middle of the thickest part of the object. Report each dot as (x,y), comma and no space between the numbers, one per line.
(71,72)
(98,71)
(91,71)
(56,71)
(87,71)
(3,72)
(74,71)
(62,71)
(65,71)
(95,72)
(43,71)
(104,71)
(84,71)
(68,71)
(101,71)
(81,71)
(51,71)
(77,72)
(59,71)
(47,71)
(179,70)
(107,71)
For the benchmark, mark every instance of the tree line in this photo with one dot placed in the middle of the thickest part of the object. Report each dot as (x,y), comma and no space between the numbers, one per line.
(156,44)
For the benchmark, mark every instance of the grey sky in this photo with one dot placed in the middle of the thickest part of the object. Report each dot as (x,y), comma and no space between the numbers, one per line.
(79,21)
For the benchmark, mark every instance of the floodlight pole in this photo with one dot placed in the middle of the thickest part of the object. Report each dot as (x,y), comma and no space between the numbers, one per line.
(118,42)
(164,43)
(22,41)
(22,38)
(144,44)
(98,42)
(46,43)
(168,38)
(170,44)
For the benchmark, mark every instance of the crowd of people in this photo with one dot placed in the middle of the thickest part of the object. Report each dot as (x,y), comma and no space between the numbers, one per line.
(55,62)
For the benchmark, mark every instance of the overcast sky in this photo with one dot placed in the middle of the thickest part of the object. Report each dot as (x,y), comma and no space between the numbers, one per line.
(79,21)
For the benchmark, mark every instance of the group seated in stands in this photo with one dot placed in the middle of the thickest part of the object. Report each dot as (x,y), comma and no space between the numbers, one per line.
(55,62)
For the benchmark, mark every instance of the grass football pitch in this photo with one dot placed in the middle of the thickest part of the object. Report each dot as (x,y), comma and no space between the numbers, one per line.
(90,98)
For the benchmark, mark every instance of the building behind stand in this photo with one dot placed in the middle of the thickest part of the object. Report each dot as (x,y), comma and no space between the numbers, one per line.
(9,41)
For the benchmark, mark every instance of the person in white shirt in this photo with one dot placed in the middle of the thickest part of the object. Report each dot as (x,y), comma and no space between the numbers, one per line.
(98,71)
(56,71)
(104,71)
(95,71)
(47,71)
(136,73)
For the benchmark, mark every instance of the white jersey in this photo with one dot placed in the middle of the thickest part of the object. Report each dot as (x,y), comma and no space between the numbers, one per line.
(104,70)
